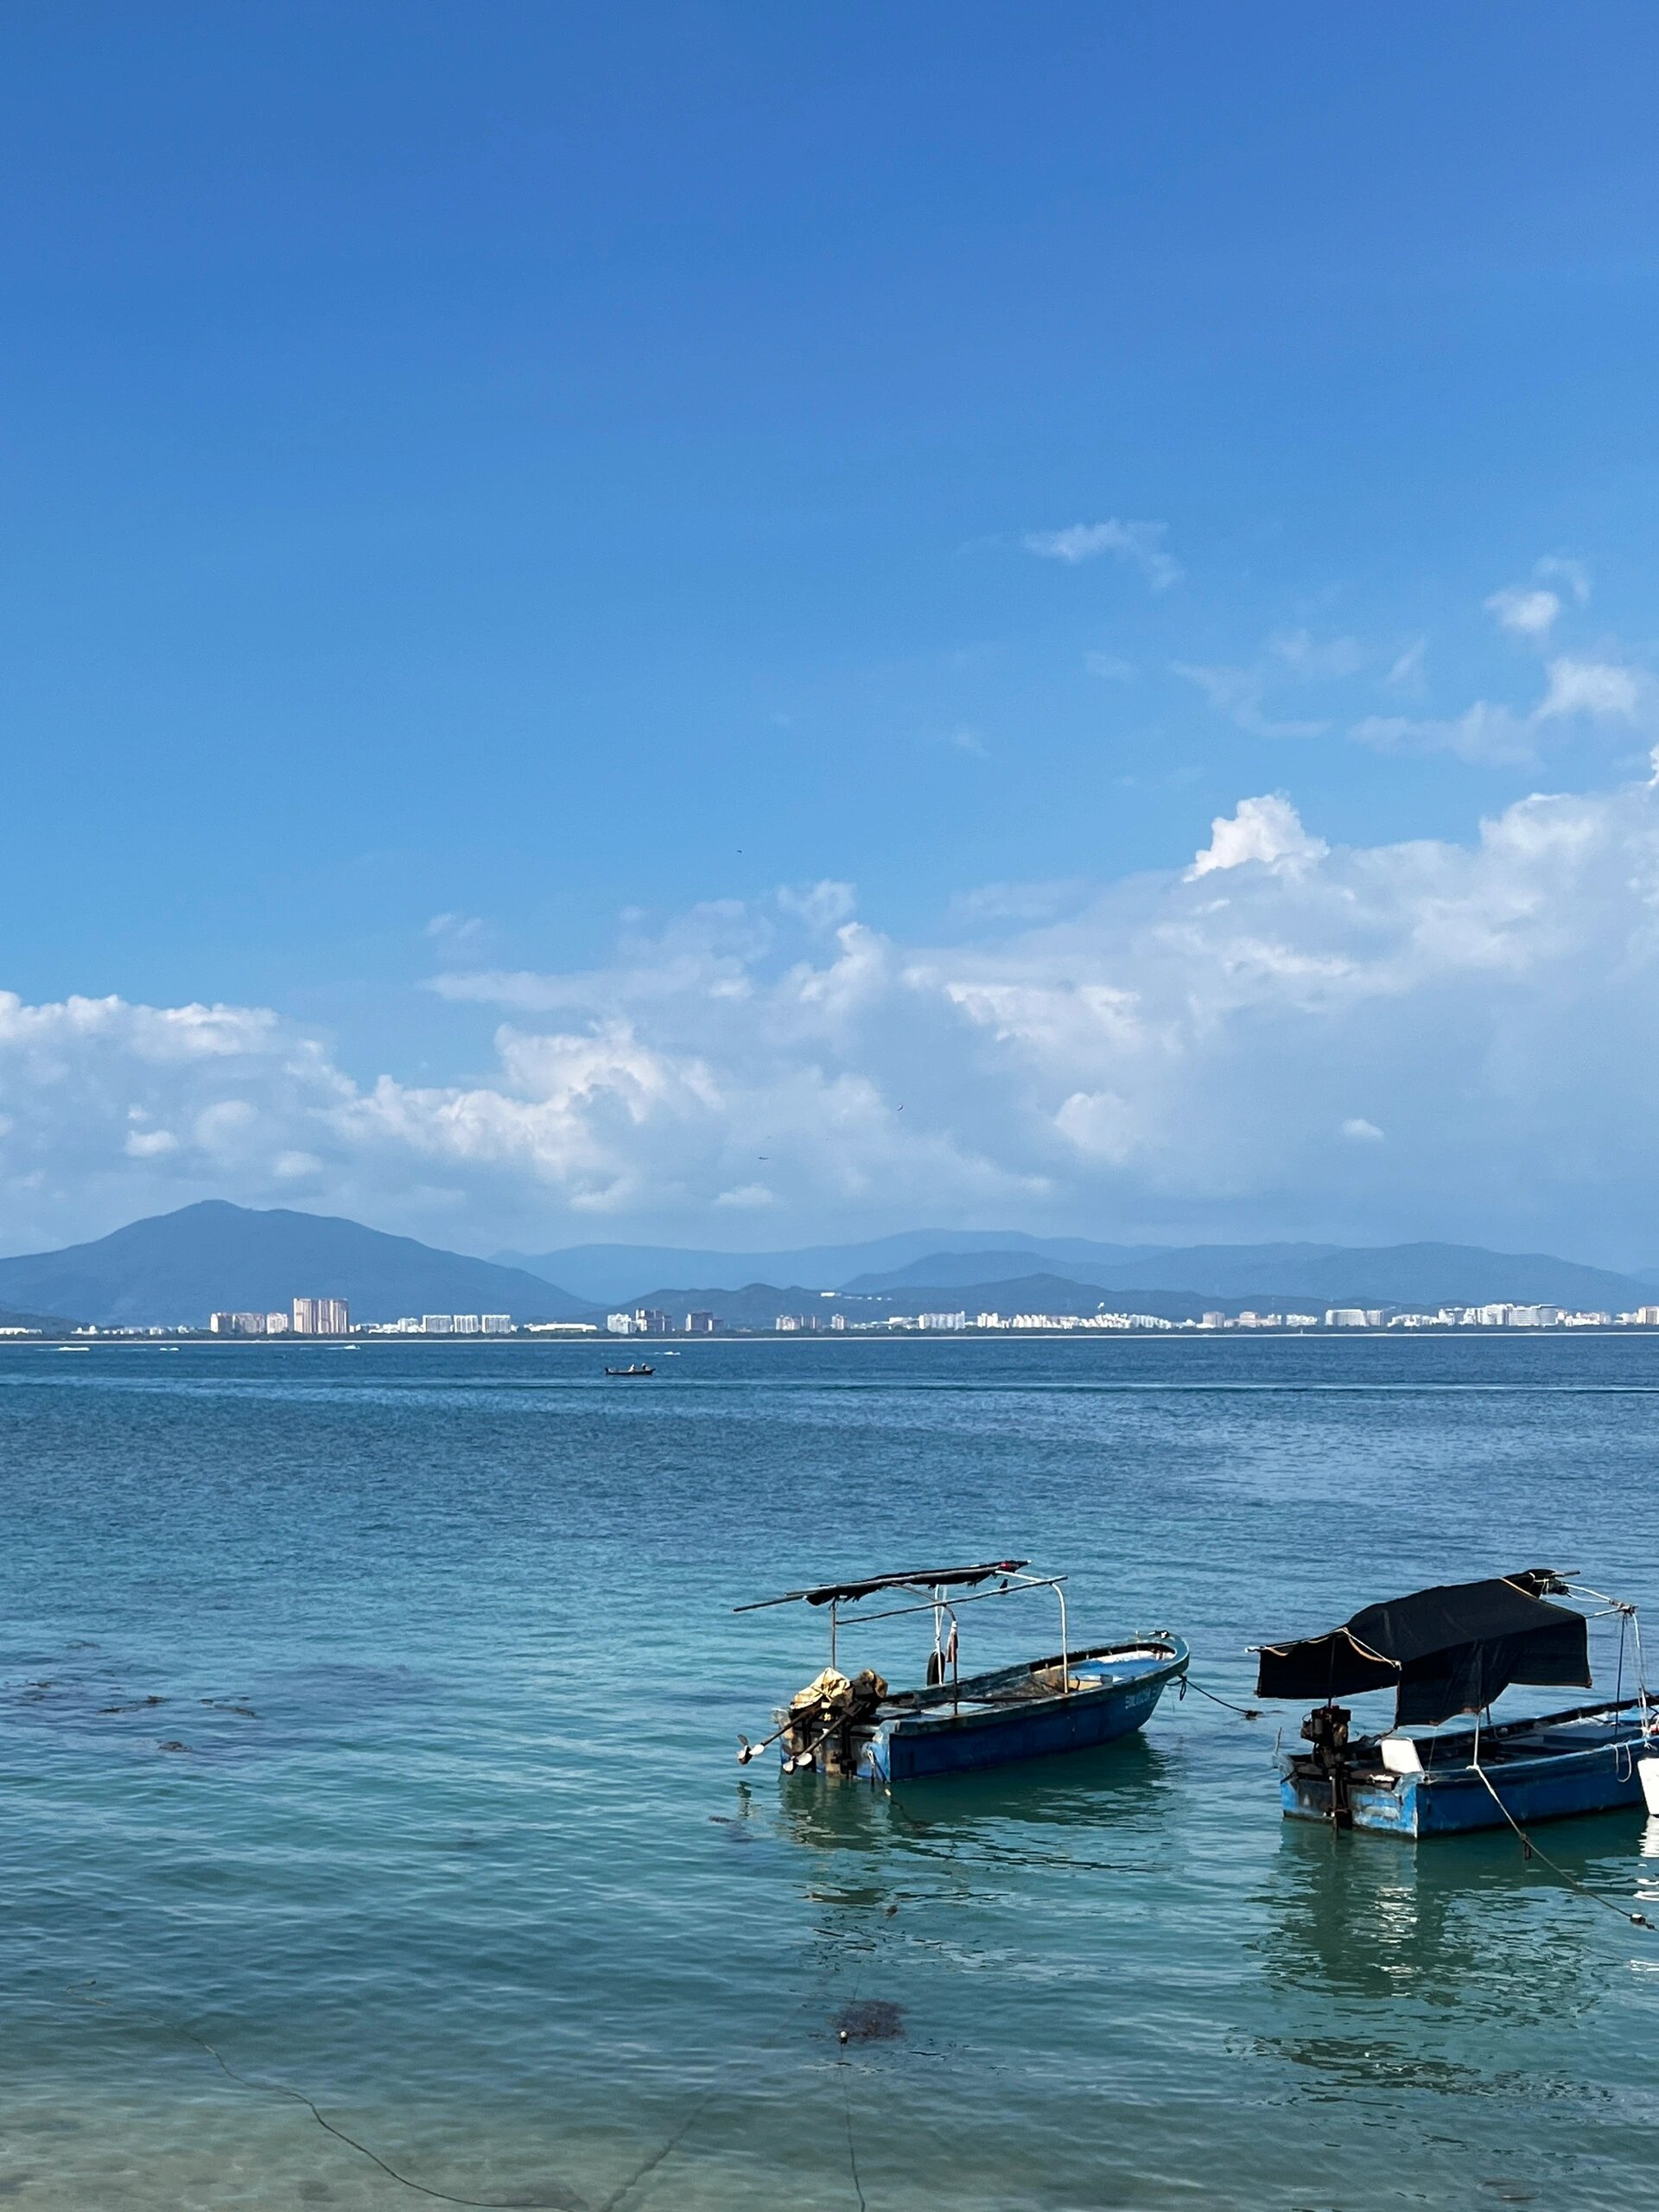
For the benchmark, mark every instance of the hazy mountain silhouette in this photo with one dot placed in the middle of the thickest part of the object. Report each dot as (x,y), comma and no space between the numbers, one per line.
(612,1274)
(179,1268)
(1325,1274)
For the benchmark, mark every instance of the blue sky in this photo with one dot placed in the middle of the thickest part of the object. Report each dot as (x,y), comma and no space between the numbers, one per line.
(498,503)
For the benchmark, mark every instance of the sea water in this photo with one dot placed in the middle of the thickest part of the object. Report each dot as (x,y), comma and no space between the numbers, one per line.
(368,1723)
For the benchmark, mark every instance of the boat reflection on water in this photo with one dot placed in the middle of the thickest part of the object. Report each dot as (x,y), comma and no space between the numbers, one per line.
(1095,1809)
(1412,1961)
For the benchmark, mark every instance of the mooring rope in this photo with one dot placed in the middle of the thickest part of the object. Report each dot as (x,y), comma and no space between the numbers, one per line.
(1636,1919)
(405,2181)
(1245,1712)
(447,2197)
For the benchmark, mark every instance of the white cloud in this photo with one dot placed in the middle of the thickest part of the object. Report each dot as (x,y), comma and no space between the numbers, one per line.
(1603,691)
(1598,688)
(1289,658)
(1493,735)
(1268,831)
(1553,569)
(1527,614)
(747,1197)
(1173,1052)
(149,1144)
(1407,669)
(1140,543)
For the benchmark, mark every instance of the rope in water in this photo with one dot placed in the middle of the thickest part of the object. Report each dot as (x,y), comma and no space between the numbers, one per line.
(421,2188)
(1245,1712)
(447,2197)
(1611,1904)
(847,2102)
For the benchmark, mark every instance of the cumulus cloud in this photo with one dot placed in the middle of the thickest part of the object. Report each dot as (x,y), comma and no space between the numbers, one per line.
(1598,688)
(1268,831)
(1528,614)
(1173,1052)
(1608,692)
(1139,543)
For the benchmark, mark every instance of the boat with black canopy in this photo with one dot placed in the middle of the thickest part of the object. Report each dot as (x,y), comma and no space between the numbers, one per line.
(1449,1652)
(854,1724)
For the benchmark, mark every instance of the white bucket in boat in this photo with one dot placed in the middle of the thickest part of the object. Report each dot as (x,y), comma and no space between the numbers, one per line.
(1648,1768)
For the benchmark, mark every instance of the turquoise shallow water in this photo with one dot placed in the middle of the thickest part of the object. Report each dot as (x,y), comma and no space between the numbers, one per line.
(452,1837)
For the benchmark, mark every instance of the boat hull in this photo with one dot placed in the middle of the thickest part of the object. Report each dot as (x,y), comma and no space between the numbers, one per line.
(953,1731)
(1554,1768)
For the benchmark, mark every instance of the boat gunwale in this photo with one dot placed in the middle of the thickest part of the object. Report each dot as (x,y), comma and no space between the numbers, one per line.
(1499,1746)
(936,1709)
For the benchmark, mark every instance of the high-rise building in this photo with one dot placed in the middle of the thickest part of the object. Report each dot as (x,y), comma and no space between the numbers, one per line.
(322,1317)
(437,1324)
(277,1324)
(465,1325)
(498,1324)
(699,1325)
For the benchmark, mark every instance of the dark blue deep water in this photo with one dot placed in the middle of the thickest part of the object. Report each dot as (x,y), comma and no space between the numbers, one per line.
(372,1715)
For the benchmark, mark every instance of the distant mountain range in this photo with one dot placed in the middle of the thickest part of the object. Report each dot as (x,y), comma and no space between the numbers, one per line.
(963,1267)
(757,1304)
(178,1268)
(1327,1275)
(612,1274)
(49,1325)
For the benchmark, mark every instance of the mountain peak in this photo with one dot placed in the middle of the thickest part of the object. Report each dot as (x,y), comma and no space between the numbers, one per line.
(180,1266)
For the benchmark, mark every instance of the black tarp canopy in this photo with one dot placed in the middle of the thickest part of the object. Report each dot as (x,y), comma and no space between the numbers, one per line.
(929,1579)
(1443,1651)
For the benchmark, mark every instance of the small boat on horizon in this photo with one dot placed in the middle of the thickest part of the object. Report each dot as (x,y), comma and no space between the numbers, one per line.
(631,1372)
(1447,1653)
(1067,1700)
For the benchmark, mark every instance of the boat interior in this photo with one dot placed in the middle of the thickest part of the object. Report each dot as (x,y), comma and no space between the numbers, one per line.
(1106,1666)
(1583,1728)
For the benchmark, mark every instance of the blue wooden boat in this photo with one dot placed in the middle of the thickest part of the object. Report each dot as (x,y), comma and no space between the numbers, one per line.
(1448,1652)
(1067,1700)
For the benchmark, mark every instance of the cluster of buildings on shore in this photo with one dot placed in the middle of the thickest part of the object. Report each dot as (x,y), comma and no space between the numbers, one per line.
(1500,1316)
(309,1317)
(646,1322)
(444,1325)
(331,1317)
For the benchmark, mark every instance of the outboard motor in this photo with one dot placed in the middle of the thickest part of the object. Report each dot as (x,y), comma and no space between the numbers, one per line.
(832,1720)
(1326,1730)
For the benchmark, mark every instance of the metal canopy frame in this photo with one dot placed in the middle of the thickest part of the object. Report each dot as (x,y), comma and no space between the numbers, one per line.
(1013,1582)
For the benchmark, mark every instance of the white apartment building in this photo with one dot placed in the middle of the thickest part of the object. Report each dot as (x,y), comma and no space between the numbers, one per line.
(498,1324)
(322,1317)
